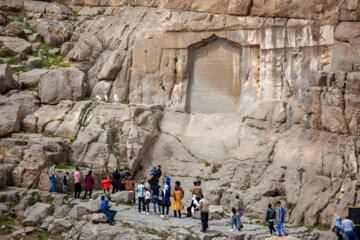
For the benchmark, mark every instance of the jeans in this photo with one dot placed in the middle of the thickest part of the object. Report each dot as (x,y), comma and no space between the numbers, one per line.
(238,219)
(271,226)
(77,190)
(65,189)
(147,203)
(234,223)
(86,191)
(191,206)
(115,189)
(141,202)
(106,190)
(110,214)
(156,201)
(339,236)
(281,228)
(204,220)
(349,234)
(52,180)
(179,213)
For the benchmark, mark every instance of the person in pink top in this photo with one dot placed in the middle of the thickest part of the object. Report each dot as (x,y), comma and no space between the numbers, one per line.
(77,177)
(89,181)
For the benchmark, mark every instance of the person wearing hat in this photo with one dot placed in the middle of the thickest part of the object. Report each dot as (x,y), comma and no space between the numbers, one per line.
(239,206)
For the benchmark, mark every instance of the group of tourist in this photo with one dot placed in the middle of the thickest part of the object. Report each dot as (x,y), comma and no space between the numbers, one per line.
(159,192)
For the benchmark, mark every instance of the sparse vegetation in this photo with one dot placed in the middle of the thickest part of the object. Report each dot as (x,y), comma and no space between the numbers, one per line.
(301,171)
(207,164)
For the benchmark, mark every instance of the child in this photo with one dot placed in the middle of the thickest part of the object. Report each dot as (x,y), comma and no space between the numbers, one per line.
(64,181)
(147,200)
(233,219)
(106,184)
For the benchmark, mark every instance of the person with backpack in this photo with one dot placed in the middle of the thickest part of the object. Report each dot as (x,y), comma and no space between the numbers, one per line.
(52,176)
(89,182)
(270,218)
(106,184)
(64,182)
(281,219)
(337,229)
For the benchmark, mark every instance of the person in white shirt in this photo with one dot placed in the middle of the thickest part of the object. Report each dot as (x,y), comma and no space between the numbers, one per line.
(147,200)
(348,228)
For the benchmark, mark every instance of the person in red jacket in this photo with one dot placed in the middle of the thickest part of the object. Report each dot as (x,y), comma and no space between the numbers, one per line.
(89,181)
(106,184)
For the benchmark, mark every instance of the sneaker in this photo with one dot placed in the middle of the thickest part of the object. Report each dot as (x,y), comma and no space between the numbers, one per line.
(202,231)
(147,213)
(269,235)
(161,215)
(166,216)
(143,212)
(231,230)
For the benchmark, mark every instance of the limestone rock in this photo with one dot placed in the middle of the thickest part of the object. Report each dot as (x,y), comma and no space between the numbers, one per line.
(36,37)
(62,84)
(31,78)
(112,66)
(99,218)
(13,46)
(78,211)
(55,11)
(55,32)
(66,48)
(10,117)
(61,211)
(59,226)
(11,5)
(32,62)
(3,19)
(123,196)
(36,213)
(15,29)
(35,9)
(8,195)
(7,81)
(5,177)
(101,90)
(54,51)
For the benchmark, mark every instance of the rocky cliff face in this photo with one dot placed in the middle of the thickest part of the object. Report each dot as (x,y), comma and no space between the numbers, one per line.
(256,97)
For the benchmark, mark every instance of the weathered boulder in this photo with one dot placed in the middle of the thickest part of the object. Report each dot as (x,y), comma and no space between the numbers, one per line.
(34,9)
(15,29)
(36,213)
(36,37)
(78,211)
(8,195)
(216,211)
(61,211)
(5,210)
(39,154)
(55,11)
(66,48)
(101,90)
(11,5)
(55,32)
(112,66)
(59,226)
(5,174)
(62,84)
(31,78)
(13,46)
(99,218)
(10,113)
(7,82)
(123,196)
(3,19)
(32,62)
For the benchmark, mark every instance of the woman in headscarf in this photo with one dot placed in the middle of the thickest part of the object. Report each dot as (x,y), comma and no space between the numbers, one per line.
(116,180)
(337,229)
(89,181)
(165,201)
(176,201)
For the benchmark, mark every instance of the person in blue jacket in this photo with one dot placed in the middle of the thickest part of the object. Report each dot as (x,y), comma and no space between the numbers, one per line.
(281,219)
(106,209)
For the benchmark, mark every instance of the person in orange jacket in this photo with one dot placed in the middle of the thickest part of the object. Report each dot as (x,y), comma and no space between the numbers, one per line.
(106,184)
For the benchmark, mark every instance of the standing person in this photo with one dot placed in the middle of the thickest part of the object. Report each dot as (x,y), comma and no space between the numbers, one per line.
(337,229)
(147,200)
(270,218)
(89,183)
(239,206)
(204,212)
(155,195)
(176,202)
(158,173)
(77,177)
(52,176)
(348,228)
(165,201)
(196,191)
(153,180)
(167,181)
(127,173)
(64,181)
(106,209)
(141,196)
(106,184)
(129,185)
(115,181)
(177,183)
(233,220)
(281,219)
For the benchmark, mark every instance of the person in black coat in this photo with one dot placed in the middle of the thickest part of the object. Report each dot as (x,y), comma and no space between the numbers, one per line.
(116,180)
